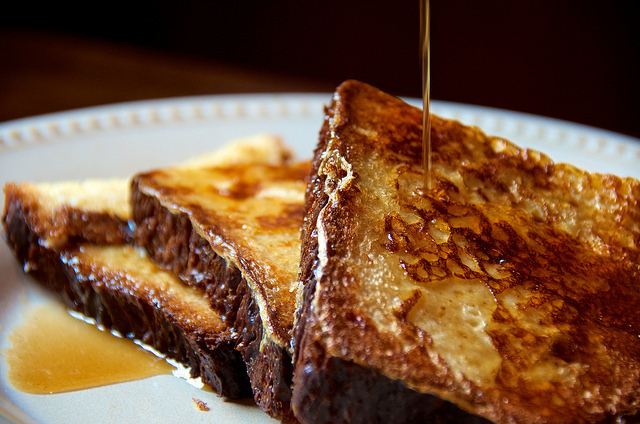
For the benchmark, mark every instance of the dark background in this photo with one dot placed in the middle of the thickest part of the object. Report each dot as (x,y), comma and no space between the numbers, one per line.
(568,59)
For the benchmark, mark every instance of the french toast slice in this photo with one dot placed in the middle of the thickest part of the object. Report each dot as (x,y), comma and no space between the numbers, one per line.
(73,238)
(234,231)
(115,284)
(505,292)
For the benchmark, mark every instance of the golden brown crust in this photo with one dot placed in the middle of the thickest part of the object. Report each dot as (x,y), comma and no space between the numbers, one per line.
(536,264)
(170,240)
(61,224)
(250,215)
(246,220)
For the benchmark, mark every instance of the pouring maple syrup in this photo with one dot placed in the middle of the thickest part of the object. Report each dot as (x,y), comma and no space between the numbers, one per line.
(426,80)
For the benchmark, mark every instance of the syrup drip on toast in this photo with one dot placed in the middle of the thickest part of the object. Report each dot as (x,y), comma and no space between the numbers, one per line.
(426,79)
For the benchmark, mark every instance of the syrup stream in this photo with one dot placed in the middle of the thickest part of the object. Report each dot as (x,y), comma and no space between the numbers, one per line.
(426,81)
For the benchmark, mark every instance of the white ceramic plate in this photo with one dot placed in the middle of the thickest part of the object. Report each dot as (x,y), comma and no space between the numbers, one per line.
(119,140)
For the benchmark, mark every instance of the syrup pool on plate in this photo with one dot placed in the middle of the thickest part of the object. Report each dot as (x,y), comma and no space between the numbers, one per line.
(53,352)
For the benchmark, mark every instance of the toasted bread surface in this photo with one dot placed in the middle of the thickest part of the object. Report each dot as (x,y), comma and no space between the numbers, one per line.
(62,213)
(249,214)
(171,240)
(126,269)
(508,288)
(242,221)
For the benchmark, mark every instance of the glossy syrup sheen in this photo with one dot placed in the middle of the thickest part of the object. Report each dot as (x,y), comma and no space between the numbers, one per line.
(53,352)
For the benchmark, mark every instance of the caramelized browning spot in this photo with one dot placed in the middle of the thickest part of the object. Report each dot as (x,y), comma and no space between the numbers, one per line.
(406,305)
(240,189)
(290,218)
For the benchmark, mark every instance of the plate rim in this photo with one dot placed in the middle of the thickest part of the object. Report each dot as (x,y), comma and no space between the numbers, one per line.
(38,129)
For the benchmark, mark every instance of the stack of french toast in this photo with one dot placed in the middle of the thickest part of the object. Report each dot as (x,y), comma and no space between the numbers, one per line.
(342,290)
